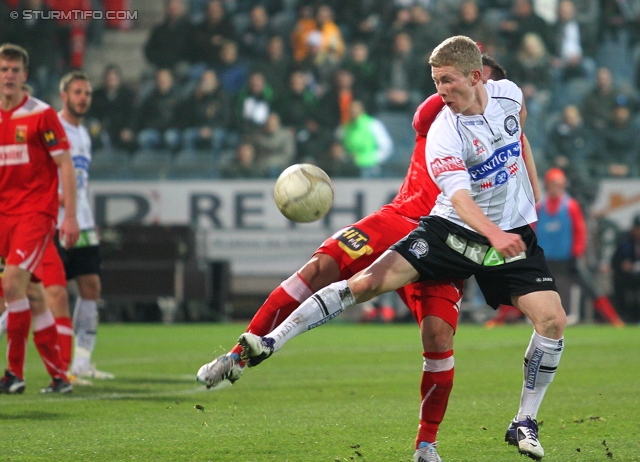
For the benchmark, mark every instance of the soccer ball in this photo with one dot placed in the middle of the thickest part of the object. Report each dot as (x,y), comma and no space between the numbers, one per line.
(303,193)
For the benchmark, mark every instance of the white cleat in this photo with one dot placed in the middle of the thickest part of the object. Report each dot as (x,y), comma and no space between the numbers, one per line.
(255,349)
(75,380)
(426,453)
(524,434)
(92,373)
(221,372)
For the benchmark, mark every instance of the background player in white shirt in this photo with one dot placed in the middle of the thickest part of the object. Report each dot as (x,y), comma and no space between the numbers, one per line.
(82,261)
(479,227)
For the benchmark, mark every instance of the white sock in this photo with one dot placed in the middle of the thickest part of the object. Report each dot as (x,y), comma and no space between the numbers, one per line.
(318,309)
(85,325)
(3,322)
(540,363)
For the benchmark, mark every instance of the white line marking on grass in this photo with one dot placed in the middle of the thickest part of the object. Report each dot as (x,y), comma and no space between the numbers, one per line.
(106,397)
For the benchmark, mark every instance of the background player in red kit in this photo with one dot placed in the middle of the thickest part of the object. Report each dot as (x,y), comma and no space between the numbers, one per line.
(435,306)
(33,146)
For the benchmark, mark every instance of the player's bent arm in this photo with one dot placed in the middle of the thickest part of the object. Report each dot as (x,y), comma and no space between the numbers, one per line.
(532,171)
(508,244)
(69,229)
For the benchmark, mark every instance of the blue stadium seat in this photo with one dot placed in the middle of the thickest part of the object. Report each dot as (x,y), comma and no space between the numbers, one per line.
(188,164)
(148,164)
(109,164)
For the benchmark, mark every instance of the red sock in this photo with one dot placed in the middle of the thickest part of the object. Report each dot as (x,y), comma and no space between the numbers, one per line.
(434,389)
(45,336)
(65,340)
(278,306)
(18,324)
(604,307)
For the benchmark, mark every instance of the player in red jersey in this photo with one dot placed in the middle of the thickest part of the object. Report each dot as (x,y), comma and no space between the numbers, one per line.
(33,146)
(435,306)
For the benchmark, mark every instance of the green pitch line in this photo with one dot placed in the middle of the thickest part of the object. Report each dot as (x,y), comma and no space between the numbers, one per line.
(341,392)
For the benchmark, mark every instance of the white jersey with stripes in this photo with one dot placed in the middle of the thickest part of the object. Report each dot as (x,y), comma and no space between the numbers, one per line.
(80,143)
(483,154)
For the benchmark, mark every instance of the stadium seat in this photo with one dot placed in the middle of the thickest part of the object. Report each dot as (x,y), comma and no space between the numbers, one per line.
(150,164)
(399,125)
(109,164)
(188,164)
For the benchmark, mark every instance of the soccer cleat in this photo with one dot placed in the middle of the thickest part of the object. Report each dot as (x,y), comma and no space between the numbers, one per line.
(91,372)
(524,434)
(255,349)
(75,380)
(426,452)
(10,383)
(221,372)
(58,385)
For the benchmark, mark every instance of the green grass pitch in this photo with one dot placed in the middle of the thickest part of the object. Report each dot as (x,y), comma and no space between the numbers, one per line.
(343,392)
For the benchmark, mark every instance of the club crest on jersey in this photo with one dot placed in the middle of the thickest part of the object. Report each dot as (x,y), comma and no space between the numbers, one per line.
(446,164)
(21,134)
(511,125)
(50,138)
(419,248)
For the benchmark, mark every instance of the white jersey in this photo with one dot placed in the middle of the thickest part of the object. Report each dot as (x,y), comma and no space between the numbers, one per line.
(80,143)
(483,154)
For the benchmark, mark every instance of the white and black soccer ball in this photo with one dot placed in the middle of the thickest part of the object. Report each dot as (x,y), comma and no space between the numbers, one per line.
(303,193)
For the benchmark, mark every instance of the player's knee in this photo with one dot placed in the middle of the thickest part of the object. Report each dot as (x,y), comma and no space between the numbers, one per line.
(89,287)
(320,271)
(58,300)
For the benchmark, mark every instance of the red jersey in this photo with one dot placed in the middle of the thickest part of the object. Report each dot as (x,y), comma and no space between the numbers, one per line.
(418,192)
(30,135)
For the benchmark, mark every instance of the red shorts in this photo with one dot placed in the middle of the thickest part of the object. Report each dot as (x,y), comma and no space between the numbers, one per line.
(357,246)
(23,240)
(52,267)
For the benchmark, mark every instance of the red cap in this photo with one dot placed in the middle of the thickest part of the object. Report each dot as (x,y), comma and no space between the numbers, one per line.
(554,174)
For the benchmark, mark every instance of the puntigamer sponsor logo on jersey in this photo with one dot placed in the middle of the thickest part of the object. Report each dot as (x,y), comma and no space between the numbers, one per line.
(14,154)
(446,164)
(496,162)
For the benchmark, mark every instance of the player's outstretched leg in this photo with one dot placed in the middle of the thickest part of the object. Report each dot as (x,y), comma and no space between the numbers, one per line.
(426,453)
(221,372)
(524,434)
(320,308)
(227,369)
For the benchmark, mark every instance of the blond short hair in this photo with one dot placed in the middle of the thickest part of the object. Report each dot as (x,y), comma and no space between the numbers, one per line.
(72,77)
(13,52)
(460,52)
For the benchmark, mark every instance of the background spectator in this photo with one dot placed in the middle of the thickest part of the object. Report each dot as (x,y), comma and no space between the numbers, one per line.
(232,71)
(154,120)
(275,65)
(367,140)
(169,42)
(204,117)
(254,104)
(111,110)
(626,274)
(572,147)
(274,145)
(254,39)
(620,155)
(243,165)
(401,77)
(211,34)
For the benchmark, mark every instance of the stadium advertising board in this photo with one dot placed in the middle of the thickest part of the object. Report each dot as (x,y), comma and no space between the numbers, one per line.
(237,220)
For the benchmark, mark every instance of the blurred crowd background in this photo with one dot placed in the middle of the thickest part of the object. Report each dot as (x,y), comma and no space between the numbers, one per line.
(207,89)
